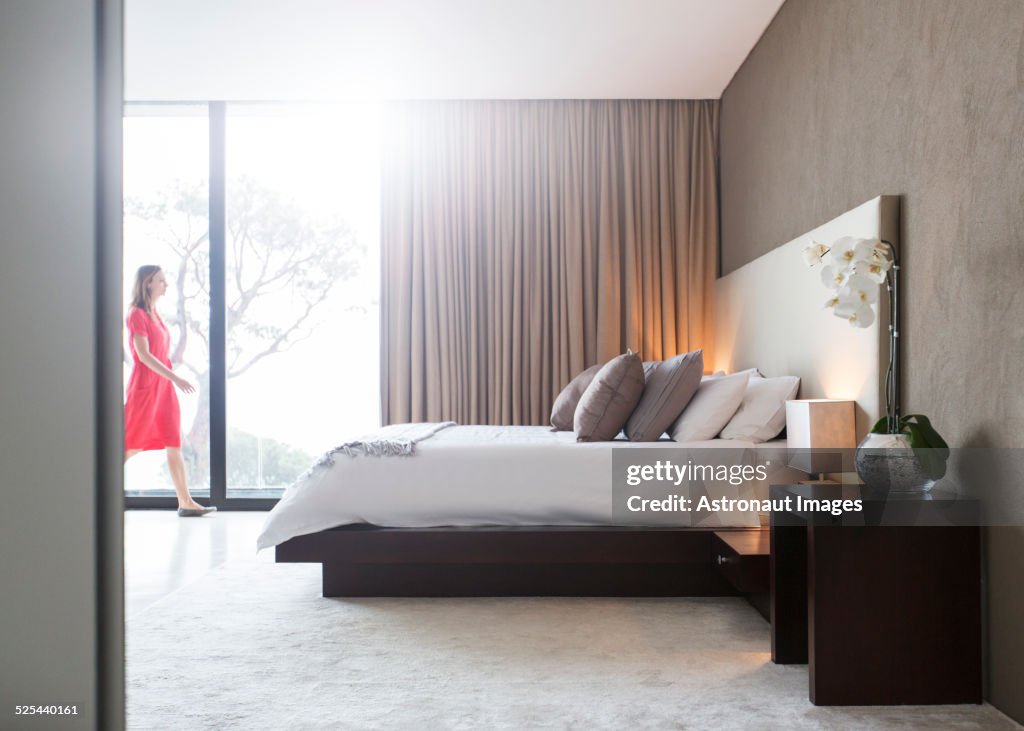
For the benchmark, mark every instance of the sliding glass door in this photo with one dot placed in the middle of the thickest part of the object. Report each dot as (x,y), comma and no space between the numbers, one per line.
(302,281)
(286,354)
(166,222)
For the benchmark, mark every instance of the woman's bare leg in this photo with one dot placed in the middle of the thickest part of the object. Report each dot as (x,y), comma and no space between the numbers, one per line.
(176,466)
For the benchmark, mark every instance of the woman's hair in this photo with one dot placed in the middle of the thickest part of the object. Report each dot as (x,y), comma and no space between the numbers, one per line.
(140,292)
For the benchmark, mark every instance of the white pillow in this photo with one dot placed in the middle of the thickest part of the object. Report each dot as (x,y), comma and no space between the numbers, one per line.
(754,373)
(711,407)
(762,415)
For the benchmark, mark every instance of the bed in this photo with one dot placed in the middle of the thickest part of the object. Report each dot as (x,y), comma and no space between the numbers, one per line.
(488,510)
(502,476)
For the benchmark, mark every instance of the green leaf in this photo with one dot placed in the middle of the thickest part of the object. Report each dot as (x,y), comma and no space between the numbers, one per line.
(929,448)
(928,432)
(880,426)
(917,440)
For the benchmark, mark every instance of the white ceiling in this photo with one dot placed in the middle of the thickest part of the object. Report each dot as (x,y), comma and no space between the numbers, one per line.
(468,49)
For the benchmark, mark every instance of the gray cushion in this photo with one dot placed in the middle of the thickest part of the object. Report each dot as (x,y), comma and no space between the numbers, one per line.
(609,399)
(669,389)
(565,405)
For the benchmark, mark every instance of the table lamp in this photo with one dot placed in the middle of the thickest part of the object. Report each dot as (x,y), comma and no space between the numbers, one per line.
(814,426)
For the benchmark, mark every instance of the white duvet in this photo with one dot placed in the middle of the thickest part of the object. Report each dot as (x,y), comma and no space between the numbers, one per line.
(466,476)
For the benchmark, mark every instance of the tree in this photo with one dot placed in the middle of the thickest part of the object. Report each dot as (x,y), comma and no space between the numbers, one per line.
(281,266)
(253,461)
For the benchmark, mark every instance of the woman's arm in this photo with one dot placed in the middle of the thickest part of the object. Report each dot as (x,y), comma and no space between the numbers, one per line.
(141,343)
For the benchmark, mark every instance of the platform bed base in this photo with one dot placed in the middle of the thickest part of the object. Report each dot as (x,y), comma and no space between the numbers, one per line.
(362,561)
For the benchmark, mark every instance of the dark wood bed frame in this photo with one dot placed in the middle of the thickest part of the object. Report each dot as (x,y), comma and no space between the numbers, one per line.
(360,561)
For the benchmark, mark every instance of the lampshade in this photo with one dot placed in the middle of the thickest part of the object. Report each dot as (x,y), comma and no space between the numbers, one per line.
(814,426)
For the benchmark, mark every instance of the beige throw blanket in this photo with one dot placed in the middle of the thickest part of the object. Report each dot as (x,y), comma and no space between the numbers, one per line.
(396,440)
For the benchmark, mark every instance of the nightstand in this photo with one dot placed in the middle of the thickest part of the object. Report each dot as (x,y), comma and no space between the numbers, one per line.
(884,605)
(742,558)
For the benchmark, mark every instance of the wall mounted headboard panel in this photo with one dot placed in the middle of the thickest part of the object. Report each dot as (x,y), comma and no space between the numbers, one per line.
(770,314)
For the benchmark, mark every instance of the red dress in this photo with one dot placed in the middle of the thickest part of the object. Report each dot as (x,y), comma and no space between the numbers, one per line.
(152,418)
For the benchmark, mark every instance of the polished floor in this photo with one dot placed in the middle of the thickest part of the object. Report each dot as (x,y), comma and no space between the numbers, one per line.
(164,553)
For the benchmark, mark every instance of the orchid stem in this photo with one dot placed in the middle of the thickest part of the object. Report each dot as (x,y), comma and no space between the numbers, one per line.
(892,374)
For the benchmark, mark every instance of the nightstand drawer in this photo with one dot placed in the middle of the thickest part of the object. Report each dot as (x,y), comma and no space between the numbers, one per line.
(742,558)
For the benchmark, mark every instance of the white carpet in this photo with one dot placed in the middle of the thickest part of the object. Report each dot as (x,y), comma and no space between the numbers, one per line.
(272,654)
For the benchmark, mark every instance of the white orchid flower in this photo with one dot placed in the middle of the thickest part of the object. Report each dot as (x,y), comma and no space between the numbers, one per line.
(853,269)
(852,307)
(834,277)
(863,289)
(847,302)
(844,251)
(865,248)
(814,252)
(871,270)
(880,253)
(862,317)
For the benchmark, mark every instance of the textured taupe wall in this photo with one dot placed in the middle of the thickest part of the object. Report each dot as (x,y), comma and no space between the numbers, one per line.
(842,101)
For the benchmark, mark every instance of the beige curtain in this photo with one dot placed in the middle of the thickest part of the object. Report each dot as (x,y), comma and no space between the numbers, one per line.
(523,241)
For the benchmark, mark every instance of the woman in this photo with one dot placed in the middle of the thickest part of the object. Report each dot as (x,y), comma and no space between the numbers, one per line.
(152,418)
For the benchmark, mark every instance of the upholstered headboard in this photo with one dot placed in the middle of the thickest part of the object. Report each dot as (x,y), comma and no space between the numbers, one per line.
(770,314)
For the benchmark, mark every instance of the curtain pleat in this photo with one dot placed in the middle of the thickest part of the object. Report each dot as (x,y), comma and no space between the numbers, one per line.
(523,241)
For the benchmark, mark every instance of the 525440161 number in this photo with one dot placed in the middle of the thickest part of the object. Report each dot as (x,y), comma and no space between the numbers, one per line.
(46,710)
